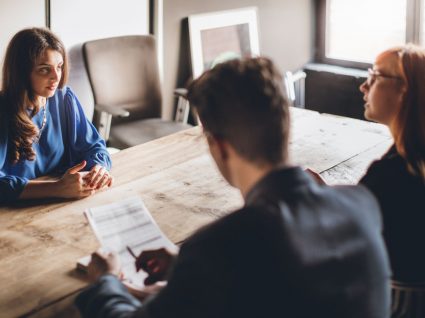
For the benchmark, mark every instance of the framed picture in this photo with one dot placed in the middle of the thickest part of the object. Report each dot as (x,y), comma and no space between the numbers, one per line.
(219,36)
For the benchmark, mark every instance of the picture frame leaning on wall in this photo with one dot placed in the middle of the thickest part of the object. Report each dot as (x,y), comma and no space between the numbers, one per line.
(220,36)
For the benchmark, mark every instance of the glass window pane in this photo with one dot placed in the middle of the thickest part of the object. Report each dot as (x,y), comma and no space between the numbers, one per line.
(359,30)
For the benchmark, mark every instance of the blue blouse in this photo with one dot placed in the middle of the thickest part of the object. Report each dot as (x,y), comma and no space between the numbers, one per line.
(67,138)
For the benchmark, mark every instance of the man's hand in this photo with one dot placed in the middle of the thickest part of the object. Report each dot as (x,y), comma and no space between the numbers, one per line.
(145,292)
(103,263)
(316,176)
(98,178)
(156,263)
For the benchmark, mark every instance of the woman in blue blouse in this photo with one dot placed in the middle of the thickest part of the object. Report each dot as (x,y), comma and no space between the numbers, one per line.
(43,129)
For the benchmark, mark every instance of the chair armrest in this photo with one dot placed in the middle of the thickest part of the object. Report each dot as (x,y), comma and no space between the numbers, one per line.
(180,92)
(299,75)
(114,111)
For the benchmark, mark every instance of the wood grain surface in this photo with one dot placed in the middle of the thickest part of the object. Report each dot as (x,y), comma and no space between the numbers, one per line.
(40,241)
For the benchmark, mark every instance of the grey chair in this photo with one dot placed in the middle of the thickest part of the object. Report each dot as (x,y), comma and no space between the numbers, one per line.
(124,78)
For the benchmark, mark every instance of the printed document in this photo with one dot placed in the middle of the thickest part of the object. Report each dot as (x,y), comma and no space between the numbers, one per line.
(127,223)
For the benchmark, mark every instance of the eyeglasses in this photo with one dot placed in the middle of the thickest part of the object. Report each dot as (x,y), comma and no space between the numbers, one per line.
(374,74)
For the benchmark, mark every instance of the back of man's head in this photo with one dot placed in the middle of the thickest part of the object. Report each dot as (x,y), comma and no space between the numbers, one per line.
(243,102)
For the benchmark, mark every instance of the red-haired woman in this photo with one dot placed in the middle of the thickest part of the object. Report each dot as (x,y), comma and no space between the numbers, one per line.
(394,95)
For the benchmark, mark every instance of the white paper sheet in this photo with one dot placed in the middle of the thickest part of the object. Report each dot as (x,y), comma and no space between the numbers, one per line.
(127,223)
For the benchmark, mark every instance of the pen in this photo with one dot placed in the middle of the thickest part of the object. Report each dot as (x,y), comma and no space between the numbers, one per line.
(131,252)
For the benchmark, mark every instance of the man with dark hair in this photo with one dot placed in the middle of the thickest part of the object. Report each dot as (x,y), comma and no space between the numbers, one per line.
(296,248)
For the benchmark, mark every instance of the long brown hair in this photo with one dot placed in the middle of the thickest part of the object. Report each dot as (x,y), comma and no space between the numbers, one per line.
(23,51)
(409,125)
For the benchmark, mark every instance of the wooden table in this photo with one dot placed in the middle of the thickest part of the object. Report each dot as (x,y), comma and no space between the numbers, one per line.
(175,176)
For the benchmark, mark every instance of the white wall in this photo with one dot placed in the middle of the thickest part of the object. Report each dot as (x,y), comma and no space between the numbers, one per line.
(78,21)
(285,31)
(16,15)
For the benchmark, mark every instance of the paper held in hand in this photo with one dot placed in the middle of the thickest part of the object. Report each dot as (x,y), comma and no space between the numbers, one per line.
(127,223)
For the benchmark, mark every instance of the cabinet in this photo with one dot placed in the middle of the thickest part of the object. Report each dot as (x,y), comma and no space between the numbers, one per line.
(334,90)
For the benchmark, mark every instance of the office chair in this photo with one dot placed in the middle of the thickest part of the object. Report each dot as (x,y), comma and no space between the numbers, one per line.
(124,77)
(295,88)
(79,82)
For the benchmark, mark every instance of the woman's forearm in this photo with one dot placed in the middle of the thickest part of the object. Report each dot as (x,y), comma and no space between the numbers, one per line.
(40,189)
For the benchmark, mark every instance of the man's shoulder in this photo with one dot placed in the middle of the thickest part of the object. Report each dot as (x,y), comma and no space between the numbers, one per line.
(351,204)
(355,196)
(355,191)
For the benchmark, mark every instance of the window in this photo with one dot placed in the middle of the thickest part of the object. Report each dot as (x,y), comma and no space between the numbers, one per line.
(352,33)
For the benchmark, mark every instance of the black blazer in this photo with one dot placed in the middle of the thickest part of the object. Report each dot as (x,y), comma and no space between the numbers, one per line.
(401,196)
(296,249)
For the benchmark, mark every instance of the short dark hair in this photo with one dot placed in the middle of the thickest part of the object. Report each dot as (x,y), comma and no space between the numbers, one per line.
(244,102)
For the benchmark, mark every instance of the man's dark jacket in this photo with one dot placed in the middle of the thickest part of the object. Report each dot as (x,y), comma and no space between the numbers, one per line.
(296,249)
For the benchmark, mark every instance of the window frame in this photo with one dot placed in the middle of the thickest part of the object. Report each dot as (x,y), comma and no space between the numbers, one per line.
(413,33)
